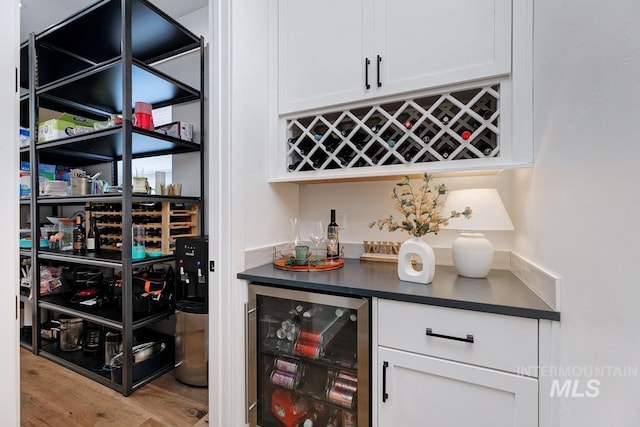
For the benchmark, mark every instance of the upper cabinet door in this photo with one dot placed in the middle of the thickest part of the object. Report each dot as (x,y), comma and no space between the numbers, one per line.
(339,51)
(322,47)
(429,43)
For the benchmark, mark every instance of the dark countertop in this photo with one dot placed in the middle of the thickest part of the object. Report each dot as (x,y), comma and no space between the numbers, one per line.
(501,292)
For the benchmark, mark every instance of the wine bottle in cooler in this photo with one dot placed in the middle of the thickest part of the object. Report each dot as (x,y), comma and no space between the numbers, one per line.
(333,242)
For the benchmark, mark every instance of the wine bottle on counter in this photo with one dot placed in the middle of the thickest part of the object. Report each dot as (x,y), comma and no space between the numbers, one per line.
(79,238)
(333,243)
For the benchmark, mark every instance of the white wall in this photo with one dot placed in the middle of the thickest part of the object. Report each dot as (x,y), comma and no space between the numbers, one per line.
(364,202)
(250,212)
(9,361)
(580,200)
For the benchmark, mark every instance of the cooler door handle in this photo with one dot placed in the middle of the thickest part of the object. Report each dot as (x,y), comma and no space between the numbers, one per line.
(385,395)
(247,386)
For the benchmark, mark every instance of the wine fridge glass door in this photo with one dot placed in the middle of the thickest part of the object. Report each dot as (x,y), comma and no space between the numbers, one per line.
(309,358)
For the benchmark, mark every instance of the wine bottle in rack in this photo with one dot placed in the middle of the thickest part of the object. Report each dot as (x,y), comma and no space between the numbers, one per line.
(346,132)
(332,142)
(485,148)
(360,138)
(391,136)
(333,242)
(318,158)
(410,153)
(345,156)
(376,126)
(304,145)
(361,163)
(486,114)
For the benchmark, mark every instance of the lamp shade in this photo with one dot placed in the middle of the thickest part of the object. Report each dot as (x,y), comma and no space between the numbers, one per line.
(489,212)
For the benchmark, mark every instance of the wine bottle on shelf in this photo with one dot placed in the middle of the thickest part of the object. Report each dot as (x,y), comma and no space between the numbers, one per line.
(93,236)
(79,238)
(333,242)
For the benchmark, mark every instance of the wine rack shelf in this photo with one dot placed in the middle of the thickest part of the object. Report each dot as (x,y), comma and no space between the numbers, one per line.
(163,223)
(449,126)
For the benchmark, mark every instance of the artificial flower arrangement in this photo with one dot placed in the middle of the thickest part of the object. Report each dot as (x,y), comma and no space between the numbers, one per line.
(420,208)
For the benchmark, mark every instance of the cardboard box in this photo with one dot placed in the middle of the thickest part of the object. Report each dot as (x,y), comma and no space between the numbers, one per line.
(63,126)
(180,130)
(45,171)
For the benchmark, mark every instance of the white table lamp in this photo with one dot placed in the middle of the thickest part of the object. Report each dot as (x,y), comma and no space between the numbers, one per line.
(472,252)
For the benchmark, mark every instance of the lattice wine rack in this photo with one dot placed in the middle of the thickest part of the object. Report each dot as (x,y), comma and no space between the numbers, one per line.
(443,127)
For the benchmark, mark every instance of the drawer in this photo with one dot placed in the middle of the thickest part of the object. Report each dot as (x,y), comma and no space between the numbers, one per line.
(491,340)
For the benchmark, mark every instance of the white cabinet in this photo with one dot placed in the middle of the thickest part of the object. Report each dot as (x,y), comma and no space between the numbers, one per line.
(321,47)
(450,367)
(424,390)
(334,52)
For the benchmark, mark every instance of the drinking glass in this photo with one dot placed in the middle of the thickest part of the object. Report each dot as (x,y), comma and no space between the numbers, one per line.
(316,234)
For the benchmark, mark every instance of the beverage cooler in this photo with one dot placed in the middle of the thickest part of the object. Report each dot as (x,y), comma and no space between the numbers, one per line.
(308,359)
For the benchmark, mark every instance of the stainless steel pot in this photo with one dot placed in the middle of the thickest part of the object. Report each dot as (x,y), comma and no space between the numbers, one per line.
(80,186)
(70,333)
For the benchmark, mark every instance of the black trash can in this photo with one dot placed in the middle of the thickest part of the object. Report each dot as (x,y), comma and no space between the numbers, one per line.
(192,359)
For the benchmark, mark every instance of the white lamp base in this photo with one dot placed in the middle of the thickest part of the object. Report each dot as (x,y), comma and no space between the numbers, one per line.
(472,255)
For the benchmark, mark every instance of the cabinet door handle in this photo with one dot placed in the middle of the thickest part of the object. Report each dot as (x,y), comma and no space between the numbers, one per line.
(378,69)
(385,395)
(469,337)
(367,62)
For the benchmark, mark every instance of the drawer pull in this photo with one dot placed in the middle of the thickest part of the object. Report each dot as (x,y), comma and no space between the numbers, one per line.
(469,337)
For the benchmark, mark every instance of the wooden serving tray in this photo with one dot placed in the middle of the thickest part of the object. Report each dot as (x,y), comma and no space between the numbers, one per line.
(329,264)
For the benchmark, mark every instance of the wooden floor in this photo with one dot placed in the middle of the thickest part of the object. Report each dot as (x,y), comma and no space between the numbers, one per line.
(51,395)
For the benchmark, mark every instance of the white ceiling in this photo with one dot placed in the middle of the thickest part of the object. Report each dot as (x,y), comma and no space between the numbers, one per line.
(40,14)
